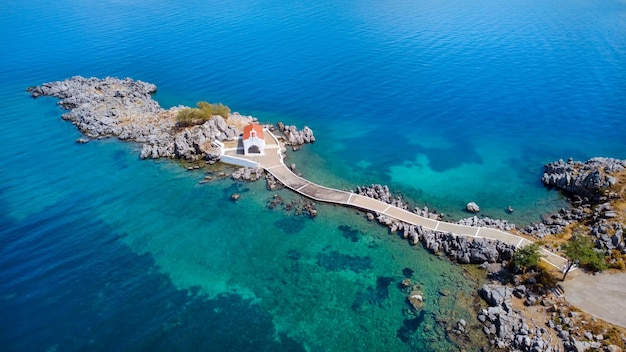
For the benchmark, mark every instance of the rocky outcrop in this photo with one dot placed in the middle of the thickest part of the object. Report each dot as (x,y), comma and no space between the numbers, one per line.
(108,107)
(296,137)
(487,222)
(248,173)
(465,250)
(508,329)
(124,108)
(584,182)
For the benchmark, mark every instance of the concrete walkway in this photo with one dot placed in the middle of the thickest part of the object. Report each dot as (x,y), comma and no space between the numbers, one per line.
(272,162)
(602,295)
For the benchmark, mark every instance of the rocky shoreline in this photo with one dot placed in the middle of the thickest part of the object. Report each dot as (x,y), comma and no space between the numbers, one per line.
(596,198)
(597,210)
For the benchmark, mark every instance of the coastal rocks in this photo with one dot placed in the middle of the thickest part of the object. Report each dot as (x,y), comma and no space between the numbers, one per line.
(460,249)
(381,192)
(297,206)
(468,251)
(487,222)
(272,182)
(105,107)
(555,223)
(197,142)
(248,173)
(587,180)
(124,108)
(506,328)
(296,137)
(472,207)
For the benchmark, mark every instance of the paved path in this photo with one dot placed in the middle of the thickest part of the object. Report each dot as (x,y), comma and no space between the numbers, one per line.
(272,162)
(602,295)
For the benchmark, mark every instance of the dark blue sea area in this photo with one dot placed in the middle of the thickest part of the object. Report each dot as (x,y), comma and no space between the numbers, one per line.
(446,102)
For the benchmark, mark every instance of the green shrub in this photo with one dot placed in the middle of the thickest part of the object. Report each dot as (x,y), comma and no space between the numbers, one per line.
(204,112)
(527,257)
(580,250)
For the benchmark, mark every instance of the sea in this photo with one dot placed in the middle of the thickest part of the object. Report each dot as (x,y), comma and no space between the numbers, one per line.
(444,101)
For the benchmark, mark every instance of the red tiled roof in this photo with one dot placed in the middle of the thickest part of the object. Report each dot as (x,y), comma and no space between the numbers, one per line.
(247,130)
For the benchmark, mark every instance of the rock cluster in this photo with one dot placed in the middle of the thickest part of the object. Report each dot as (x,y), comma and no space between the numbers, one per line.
(297,206)
(508,329)
(248,173)
(468,251)
(608,235)
(588,181)
(487,222)
(554,223)
(586,184)
(296,137)
(272,182)
(191,143)
(562,329)
(124,108)
(458,248)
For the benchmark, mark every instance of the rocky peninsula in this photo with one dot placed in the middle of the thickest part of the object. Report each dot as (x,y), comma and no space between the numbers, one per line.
(124,108)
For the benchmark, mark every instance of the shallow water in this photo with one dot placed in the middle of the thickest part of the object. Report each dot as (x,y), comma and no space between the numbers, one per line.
(446,102)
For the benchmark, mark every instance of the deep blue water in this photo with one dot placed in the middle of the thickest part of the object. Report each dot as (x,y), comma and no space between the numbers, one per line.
(446,101)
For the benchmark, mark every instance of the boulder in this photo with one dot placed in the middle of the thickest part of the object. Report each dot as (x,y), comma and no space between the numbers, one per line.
(472,207)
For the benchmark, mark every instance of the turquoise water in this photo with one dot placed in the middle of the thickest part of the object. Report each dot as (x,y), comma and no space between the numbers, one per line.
(446,101)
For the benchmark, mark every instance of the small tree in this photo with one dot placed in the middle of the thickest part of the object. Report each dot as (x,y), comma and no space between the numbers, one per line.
(580,251)
(527,256)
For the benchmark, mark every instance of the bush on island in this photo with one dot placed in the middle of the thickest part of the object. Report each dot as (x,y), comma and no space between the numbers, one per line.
(204,112)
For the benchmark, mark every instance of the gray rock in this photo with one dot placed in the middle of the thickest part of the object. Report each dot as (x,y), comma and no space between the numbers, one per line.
(585,180)
(296,137)
(124,108)
(472,207)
